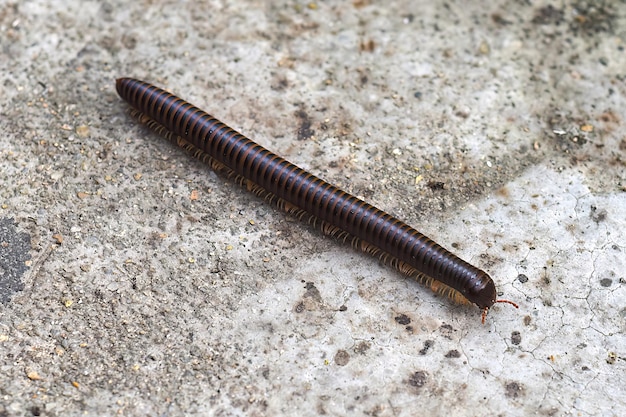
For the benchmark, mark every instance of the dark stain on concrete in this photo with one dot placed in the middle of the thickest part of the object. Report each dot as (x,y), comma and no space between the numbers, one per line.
(14,252)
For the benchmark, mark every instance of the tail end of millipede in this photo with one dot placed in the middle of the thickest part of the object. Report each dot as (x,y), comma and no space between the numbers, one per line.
(486,309)
(119,82)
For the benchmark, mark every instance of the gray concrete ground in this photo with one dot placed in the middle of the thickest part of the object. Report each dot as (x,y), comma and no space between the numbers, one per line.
(137,282)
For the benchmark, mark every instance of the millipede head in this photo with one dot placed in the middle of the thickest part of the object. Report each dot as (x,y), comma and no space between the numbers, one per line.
(486,309)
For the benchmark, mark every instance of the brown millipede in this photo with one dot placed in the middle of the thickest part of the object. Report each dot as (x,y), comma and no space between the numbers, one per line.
(307,197)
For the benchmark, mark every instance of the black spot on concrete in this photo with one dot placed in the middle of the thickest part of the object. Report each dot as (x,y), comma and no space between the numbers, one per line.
(14,253)
(418,379)
(514,390)
(312,292)
(516,337)
(453,354)
(304,130)
(446,331)
(596,215)
(436,185)
(548,15)
(403,319)
(427,345)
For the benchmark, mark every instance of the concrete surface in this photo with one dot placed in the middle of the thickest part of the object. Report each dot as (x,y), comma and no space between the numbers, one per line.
(137,282)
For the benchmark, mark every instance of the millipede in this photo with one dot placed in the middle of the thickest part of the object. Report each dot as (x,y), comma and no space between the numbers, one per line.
(334,212)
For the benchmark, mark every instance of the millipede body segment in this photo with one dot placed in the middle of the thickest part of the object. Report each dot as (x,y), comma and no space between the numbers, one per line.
(335,212)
